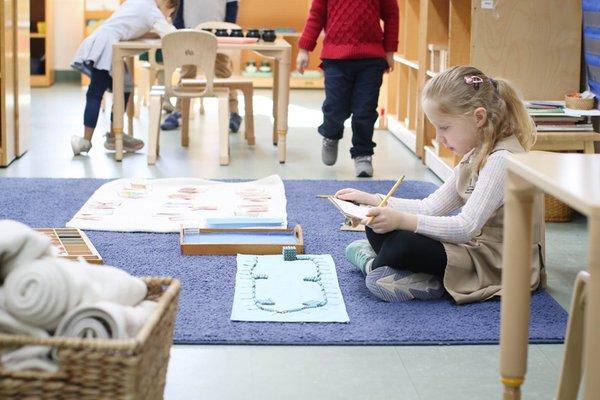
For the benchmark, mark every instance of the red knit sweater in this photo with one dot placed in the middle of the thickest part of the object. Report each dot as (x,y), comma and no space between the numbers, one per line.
(352,28)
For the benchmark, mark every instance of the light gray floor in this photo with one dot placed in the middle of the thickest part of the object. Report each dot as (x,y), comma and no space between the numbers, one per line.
(295,372)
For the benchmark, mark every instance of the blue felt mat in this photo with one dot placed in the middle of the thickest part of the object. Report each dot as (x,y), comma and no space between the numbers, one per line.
(208,281)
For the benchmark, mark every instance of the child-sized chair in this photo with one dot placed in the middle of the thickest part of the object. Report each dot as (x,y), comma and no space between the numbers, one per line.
(235,81)
(188,47)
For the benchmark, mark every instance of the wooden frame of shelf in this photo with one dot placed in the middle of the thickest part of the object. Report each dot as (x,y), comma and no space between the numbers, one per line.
(290,14)
(14,80)
(42,44)
(493,40)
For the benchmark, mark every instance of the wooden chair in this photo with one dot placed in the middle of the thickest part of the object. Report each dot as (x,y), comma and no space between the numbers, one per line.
(235,81)
(188,47)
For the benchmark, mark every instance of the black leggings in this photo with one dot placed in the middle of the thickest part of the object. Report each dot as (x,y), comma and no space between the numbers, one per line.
(100,82)
(408,250)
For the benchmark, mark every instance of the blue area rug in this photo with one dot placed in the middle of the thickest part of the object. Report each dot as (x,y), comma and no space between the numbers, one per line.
(208,281)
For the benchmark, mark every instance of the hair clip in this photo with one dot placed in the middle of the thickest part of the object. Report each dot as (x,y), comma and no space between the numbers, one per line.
(473,80)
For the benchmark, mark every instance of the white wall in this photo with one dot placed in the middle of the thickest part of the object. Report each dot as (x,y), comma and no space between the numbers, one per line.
(68,31)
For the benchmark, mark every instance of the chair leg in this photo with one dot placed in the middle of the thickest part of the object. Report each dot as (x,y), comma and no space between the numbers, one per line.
(185,122)
(223,128)
(249,117)
(202,110)
(153,127)
(570,377)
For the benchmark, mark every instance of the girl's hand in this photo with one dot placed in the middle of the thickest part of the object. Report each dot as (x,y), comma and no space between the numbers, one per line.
(387,219)
(302,60)
(358,196)
(389,57)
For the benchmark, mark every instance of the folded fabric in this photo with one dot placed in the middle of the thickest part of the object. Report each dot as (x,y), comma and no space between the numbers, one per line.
(105,320)
(19,244)
(9,324)
(26,357)
(41,292)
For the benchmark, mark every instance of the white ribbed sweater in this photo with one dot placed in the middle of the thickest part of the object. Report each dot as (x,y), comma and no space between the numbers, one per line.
(432,212)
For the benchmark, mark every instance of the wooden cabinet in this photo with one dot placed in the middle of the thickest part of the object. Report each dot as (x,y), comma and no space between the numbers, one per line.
(14,79)
(289,15)
(535,44)
(41,43)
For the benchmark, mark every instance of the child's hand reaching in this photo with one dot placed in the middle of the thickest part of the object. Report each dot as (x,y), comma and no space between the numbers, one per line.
(387,219)
(389,57)
(302,60)
(358,196)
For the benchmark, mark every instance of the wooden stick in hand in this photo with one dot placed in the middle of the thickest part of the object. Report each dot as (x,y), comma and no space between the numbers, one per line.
(387,197)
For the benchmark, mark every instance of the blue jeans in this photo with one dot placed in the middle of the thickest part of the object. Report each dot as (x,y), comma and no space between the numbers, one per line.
(352,87)
(100,82)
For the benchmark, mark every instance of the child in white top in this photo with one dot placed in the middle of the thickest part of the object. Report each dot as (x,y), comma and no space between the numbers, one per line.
(130,20)
(415,245)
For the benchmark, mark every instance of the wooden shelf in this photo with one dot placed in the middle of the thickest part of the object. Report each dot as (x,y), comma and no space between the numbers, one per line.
(264,82)
(41,44)
(493,41)
(15,92)
(405,61)
(100,14)
(439,165)
(278,14)
(399,129)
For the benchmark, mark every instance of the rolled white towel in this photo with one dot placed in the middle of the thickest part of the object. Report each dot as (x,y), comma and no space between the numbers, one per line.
(105,320)
(26,357)
(40,293)
(20,244)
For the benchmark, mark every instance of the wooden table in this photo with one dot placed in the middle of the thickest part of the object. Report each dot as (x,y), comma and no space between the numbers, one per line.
(575,180)
(566,141)
(280,51)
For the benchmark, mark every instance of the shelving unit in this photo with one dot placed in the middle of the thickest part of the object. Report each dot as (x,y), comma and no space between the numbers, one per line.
(41,43)
(277,14)
(14,79)
(532,43)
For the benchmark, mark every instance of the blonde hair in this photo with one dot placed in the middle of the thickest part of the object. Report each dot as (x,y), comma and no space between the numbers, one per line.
(454,93)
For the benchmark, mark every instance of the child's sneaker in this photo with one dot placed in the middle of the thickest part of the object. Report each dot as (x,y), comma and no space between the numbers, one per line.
(363,166)
(400,285)
(329,151)
(361,255)
(235,120)
(130,144)
(80,145)
(171,122)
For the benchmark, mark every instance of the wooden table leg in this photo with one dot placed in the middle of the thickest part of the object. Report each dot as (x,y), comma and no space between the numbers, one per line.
(591,366)
(276,73)
(118,71)
(283,99)
(516,276)
(130,104)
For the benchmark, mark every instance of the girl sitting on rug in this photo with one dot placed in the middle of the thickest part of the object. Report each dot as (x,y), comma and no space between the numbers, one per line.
(415,248)
(130,20)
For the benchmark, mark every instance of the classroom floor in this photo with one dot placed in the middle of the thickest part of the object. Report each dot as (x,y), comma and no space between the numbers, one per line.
(297,372)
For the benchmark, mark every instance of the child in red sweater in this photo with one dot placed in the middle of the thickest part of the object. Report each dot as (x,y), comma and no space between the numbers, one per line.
(356,52)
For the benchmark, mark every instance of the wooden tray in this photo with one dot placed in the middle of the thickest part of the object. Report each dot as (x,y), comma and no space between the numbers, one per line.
(72,243)
(245,241)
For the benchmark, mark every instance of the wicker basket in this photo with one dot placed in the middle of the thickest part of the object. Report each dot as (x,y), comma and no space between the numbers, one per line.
(103,369)
(556,210)
(578,103)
